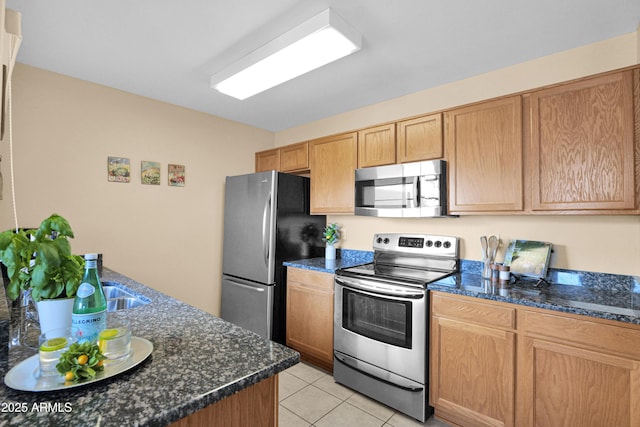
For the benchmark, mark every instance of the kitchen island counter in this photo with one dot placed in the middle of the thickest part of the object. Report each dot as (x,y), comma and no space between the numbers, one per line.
(198,359)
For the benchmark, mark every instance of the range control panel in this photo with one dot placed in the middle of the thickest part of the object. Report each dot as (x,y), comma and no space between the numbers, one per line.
(419,244)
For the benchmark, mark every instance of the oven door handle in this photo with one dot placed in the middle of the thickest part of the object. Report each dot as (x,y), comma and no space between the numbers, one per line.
(377,373)
(375,287)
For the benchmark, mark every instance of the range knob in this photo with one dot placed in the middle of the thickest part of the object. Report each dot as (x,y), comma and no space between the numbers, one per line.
(379,240)
(386,240)
(437,244)
(446,244)
(429,243)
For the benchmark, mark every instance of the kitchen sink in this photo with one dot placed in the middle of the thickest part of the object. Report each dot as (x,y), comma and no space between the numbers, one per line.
(121,298)
(116,304)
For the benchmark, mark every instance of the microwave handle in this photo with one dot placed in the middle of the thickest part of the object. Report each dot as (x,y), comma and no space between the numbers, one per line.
(416,191)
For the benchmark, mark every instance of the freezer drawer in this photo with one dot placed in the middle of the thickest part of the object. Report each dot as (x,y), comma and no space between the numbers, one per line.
(248,304)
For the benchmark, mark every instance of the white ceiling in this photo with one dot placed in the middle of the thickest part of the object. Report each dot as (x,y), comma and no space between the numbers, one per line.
(167,49)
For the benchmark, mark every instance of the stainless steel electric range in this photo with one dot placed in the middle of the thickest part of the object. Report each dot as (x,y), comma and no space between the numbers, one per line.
(381,319)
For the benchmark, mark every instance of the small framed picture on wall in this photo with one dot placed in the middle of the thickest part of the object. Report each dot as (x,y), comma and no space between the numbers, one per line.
(150,172)
(176,175)
(118,169)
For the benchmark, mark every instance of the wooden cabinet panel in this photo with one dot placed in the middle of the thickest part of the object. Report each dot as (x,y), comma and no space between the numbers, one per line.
(582,147)
(310,315)
(420,139)
(485,156)
(268,160)
(377,146)
(256,405)
(566,386)
(472,373)
(581,331)
(333,162)
(294,157)
(465,309)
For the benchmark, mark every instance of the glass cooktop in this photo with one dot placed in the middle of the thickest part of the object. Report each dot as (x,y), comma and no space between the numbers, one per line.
(412,276)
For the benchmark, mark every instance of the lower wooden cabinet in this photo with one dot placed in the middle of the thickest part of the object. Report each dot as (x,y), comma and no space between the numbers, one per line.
(473,345)
(310,316)
(256,405)
(499,364)
(574,371)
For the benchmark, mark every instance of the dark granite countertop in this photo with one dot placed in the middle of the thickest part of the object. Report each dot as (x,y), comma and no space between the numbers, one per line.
(197,360)
(602,295)
(345,258)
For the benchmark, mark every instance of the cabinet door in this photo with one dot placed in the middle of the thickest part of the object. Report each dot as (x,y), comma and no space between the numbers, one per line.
(582,145)
(568,386)
(377,146)
(333,162)
(472,364)
(310,315)
(420,139)
(294,157)
(268,160)
(576,370)
(472,373)
(484,154)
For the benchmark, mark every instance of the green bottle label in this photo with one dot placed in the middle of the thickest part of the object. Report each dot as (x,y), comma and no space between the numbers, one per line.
(88,326)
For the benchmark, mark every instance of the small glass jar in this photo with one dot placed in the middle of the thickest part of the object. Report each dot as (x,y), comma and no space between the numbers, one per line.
(495,272)
(504,274)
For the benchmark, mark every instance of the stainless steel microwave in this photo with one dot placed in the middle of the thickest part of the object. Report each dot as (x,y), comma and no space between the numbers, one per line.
(404,190)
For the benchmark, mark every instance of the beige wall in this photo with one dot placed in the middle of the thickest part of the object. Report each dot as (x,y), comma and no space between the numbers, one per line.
(593,243)
(167,237)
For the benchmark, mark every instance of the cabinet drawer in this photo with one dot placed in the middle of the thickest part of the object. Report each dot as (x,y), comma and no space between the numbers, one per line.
(468,310)
(313,279)
(621,340)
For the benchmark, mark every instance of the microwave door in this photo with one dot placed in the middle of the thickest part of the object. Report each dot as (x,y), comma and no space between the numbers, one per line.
(388,197)
(430,194)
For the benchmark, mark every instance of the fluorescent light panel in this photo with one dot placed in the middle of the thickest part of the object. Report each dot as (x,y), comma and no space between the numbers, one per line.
(312,44)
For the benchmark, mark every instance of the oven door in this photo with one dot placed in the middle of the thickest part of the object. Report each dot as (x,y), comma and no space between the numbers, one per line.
(382,324)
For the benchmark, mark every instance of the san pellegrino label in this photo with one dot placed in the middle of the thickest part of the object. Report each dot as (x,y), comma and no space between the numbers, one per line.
(90,305)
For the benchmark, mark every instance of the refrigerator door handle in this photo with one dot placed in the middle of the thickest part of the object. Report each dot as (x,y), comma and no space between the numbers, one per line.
(265,229)
(241,285)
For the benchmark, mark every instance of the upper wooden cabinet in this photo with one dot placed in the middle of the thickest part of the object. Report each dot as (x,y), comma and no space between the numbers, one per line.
(294,157)
(582,145)
(484,155)
(420,139)
(377,146)
(333,162)
(268,160)
(290,158)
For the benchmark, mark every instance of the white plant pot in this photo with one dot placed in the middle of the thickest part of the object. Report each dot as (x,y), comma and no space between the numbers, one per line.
(54,313)
(330,252)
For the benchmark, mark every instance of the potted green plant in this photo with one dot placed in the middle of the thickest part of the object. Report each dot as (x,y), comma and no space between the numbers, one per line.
(40,261)
(331,235)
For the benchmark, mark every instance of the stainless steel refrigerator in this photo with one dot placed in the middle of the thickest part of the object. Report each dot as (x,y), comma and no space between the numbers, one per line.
(266,222)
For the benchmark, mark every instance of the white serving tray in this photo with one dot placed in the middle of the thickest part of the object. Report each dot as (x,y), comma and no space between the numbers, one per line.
(24,376)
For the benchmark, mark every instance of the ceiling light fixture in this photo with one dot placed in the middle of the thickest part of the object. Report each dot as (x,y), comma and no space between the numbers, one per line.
(310,45)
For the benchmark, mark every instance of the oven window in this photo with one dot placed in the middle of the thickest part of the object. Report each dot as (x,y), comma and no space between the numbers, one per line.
(381,319)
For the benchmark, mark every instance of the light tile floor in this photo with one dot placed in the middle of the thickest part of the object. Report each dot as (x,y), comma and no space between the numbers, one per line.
(310,397)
